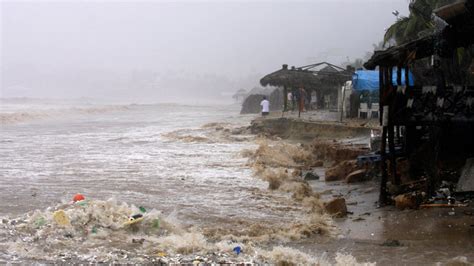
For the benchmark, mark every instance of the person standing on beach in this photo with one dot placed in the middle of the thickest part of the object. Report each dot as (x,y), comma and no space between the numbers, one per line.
(296,99)
(265,106)
(304,96)
(289,101)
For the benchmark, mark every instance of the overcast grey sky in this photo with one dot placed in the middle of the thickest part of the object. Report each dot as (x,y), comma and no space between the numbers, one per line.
(89,48)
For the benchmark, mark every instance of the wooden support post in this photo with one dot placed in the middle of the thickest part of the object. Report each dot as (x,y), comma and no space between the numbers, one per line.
(300,102)
(343,102)
(435,136)
(407,76)
(397,134)
(285,98)
(383,183)
(399,75)
(383,196)
(396,102)
(409,129)
(391,147)
(392,100)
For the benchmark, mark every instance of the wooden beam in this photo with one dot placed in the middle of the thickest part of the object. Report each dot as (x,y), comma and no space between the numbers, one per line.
(383,183)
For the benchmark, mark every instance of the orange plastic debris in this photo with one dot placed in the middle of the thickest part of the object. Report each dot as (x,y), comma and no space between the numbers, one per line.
(78,197)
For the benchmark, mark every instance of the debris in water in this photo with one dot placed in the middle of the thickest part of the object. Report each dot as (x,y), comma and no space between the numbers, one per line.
(391,243)
(40,222)
(237,250)
(138,241)
(78,197)
(161,254)
(136,218)
(61,218)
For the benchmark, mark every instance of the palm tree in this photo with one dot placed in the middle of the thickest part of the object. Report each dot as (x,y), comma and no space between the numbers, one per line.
(418,23)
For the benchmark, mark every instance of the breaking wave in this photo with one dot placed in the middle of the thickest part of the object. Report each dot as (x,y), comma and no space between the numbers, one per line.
(180,136)
(280,164)
(211,133)
(44,114)
(99,231)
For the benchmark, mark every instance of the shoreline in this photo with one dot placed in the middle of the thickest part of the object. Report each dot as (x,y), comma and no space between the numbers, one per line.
(402,234)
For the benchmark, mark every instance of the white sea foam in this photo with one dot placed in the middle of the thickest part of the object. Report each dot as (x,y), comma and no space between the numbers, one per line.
(97,232)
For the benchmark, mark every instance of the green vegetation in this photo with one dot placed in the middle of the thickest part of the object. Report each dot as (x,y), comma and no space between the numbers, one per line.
(418,23)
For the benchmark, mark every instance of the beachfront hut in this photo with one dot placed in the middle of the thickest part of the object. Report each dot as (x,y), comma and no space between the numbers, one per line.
(323,78)
(430,121)
(288,78)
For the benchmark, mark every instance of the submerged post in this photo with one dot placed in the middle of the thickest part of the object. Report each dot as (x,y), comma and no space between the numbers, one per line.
(300,99)
(342,102)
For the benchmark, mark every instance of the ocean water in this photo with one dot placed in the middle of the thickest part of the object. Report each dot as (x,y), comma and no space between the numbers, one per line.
(187,166)
(182,162)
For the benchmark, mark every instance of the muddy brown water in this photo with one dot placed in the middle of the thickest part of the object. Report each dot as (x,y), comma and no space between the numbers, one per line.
(160,157)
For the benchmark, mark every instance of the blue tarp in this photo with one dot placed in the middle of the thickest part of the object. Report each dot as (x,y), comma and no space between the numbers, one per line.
(369,79)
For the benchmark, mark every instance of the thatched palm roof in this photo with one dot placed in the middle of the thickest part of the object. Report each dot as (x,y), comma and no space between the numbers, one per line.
(306,76)
(288,77)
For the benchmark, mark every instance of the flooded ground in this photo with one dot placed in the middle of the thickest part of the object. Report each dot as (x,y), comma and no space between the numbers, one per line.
(203,181)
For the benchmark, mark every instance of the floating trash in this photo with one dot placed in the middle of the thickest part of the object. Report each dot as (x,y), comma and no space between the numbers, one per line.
(237,250)
(161,254)
(134,219)
(40,222)
(78,197)
(61,218)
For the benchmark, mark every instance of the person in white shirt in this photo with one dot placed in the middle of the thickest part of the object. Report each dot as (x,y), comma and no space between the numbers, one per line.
(265,106)
(290,101)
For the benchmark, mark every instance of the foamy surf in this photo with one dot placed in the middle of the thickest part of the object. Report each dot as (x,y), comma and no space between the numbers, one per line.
(97,231)
(30,114)
(211,133)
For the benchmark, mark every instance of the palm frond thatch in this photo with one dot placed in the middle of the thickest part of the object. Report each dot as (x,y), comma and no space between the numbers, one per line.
(288,77)
(306,77)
